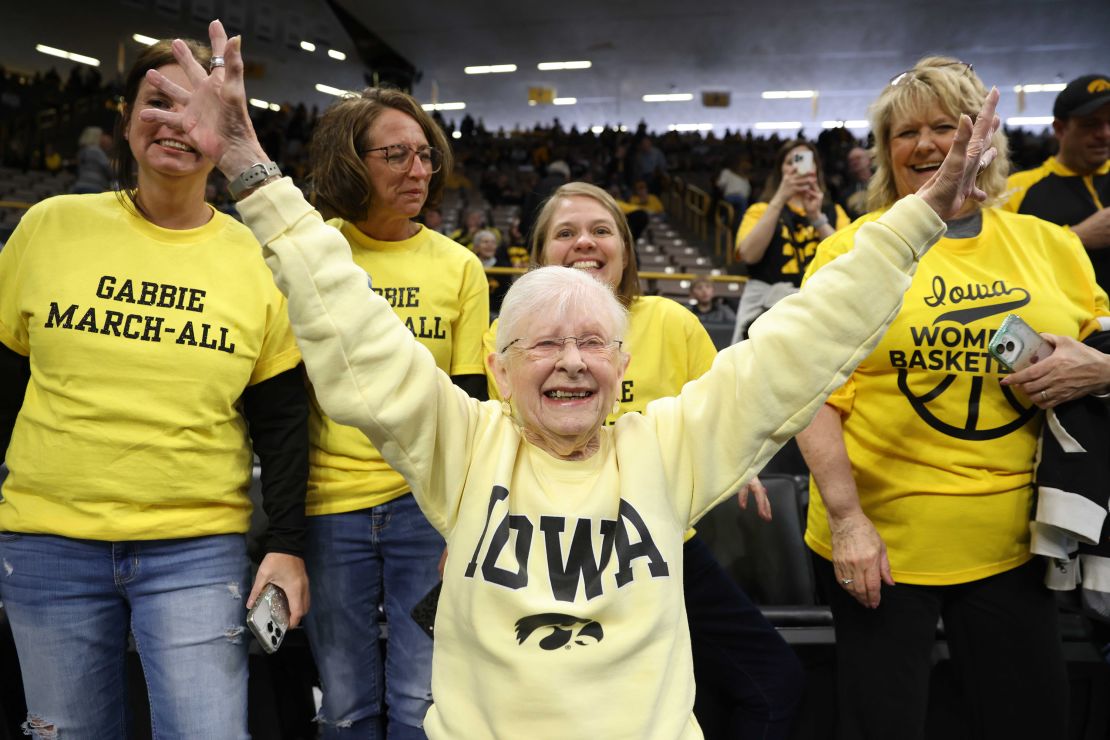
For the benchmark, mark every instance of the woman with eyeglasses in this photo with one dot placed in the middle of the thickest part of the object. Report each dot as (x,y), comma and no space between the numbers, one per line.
(562,614)
(749,679)
(922,462)
(378,159)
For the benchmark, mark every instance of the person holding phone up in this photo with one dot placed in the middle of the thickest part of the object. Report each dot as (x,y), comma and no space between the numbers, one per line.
(778,235)
(922,463)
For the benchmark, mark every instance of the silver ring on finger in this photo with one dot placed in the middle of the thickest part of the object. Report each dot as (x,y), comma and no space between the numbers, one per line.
(217,61)
(847,581)
(1044,396)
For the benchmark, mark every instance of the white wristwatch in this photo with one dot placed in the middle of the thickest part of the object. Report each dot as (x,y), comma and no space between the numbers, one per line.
(252,177)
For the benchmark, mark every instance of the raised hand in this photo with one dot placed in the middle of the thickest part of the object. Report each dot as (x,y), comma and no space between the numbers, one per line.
(954,181)
(213,115)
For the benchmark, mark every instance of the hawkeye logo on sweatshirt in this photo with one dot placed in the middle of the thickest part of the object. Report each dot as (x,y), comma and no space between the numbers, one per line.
(628,537)
(563,628)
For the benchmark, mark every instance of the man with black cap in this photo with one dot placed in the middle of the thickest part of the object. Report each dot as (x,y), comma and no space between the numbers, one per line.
(1073,188)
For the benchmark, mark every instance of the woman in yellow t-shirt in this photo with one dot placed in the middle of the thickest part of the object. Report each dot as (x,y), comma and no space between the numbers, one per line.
(144,354)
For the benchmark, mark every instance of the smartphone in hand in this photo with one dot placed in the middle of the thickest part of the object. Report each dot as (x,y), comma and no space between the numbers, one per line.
(803,162)
(1017,346)
(268,619)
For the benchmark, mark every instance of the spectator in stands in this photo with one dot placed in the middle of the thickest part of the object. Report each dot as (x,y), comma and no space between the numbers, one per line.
(859,175)
(94,171)
(923,462)
(649,164)
(644,200)
(778,236)
(433,219)
(488,474)
(734,184)
(707,307)
(154,342)
(474,222)
(492,255)
(752,680)
(378,160)
(1073,188)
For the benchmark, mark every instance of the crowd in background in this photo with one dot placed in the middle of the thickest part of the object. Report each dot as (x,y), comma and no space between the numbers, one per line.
(42,117)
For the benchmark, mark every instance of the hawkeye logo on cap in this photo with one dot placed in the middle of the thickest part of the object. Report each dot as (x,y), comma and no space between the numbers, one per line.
(1098,85)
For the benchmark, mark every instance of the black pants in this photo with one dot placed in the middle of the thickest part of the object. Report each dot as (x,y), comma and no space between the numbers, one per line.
(1003,637)
(749,681)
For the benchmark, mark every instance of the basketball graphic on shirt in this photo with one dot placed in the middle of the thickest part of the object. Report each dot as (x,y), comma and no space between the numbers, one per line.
(945,370)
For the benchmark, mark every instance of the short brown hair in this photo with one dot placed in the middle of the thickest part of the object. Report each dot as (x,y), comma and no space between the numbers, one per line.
(628,290)
(339,173)
(956,89)
(158,54)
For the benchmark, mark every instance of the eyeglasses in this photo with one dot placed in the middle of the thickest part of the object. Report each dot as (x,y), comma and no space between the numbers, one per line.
(545,349)
(911,74)
(399,157)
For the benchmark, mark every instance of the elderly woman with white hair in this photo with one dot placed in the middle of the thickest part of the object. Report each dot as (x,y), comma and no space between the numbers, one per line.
(561,613)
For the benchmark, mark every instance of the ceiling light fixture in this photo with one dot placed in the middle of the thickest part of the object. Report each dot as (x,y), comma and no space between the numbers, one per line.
(1050,87)
(144,40)
(308,46)
(777,125)
(565,101)
(781,94)
(444,106)
(91,61)
(552,66)
(320,87)
(1029,121)
(846,124)
(490,69)
(595,130)
(668,98)
(336,54)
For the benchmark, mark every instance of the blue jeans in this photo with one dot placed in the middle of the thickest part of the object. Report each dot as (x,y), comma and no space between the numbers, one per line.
(357,561)
(71,602)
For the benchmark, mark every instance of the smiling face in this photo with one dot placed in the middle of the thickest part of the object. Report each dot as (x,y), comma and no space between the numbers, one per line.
(919,142)
(584,235)
(395,195)
(158,149)
(562,399)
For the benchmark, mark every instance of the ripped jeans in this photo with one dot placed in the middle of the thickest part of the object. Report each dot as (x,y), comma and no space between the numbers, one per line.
(71,604)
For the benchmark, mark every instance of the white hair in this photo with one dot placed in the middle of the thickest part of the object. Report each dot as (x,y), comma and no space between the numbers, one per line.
(555,291)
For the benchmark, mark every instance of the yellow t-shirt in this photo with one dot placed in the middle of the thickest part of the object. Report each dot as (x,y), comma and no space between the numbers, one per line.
(141,342)
(438,288)
(942,455)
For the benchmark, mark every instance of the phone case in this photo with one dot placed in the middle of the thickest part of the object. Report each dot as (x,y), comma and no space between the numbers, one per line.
(424,613)
(1016,345)
(268,619)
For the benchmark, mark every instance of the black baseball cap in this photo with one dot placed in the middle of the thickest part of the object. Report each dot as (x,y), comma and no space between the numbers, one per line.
(1083,95)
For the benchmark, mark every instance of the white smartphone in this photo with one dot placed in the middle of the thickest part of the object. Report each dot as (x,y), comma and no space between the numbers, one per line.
(803,162)
(268,619)
(1017,345)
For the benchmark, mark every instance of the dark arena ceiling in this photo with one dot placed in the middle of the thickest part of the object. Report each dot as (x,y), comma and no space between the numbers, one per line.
(832,58)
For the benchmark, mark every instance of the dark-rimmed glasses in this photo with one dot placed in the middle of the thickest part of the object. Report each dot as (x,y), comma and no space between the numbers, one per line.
(399,157)
(911,74)
(546,349)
